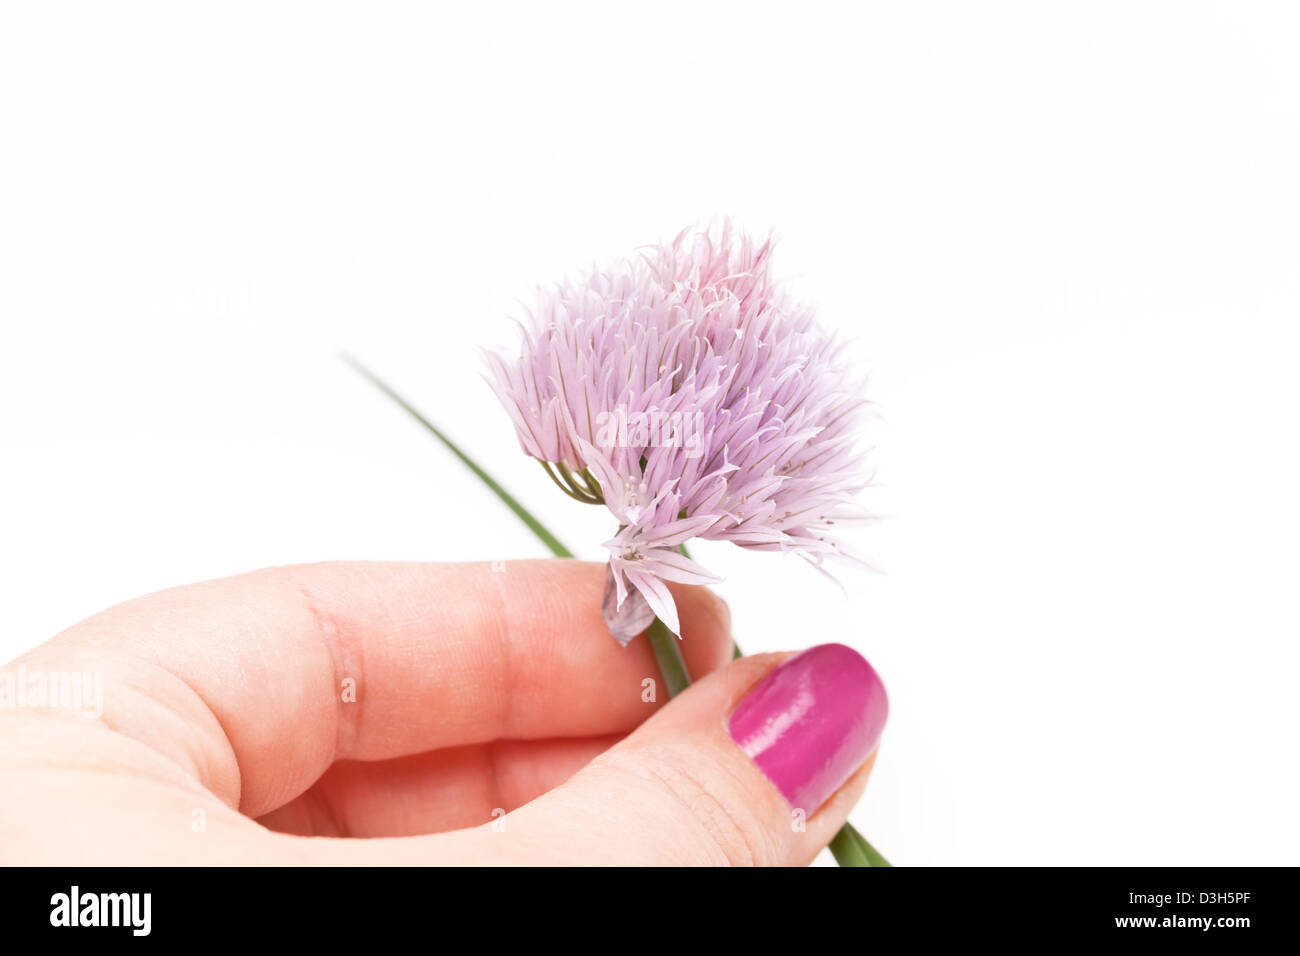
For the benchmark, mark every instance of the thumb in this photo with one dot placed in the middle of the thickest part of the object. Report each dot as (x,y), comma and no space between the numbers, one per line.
(749,766)
(758,763)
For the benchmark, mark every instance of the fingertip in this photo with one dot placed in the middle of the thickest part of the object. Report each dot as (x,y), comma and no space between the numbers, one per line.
(706,628)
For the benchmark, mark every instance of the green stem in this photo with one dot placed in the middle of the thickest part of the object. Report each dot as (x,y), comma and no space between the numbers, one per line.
(850,848)
(537,528)
(668,655)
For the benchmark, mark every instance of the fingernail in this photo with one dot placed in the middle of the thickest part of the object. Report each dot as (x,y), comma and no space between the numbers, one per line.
(812,722)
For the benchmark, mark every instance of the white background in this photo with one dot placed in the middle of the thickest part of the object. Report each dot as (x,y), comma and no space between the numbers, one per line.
(1066,237)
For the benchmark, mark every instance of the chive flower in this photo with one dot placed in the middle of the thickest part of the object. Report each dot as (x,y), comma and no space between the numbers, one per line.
(686,391)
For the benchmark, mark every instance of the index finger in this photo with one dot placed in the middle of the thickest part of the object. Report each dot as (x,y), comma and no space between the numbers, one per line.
(257,683)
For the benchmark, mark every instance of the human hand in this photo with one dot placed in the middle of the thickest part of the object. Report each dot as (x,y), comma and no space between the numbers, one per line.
(369,713)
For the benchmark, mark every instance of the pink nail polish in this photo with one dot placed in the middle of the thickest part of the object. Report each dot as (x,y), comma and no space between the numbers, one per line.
(812,722)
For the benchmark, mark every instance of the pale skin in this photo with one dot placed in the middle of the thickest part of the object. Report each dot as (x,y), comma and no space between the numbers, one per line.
(493,720)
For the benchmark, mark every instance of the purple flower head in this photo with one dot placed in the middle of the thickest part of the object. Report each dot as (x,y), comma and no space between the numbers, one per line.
(687,392)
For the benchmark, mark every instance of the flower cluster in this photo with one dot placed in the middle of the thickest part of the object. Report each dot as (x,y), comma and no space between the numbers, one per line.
(691,395)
